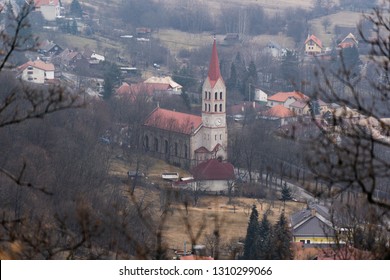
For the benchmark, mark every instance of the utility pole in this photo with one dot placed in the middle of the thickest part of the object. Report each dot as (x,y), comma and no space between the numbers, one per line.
(249,92)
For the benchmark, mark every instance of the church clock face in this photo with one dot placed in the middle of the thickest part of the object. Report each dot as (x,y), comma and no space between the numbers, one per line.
(218,121)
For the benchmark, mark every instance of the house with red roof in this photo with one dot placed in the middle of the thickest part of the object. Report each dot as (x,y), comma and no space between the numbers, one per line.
(349,41)
(187,140)
(313,45)
(285,98)
(50,9)
(279,114)
(38,71)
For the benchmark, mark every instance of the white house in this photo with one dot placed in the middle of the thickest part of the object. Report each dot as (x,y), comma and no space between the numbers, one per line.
(285,98)
(50,9)
(37,71)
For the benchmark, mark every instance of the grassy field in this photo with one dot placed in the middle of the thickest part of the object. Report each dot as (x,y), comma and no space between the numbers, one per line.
(345,19)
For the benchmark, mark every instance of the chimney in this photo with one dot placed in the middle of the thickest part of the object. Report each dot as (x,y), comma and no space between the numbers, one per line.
(313,212)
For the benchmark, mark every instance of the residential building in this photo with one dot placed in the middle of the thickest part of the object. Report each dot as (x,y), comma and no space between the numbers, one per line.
(312,226)
(279,114)
(313,45)
(285,98)
(302,107)
(349,41)
(37,71)
(166,80)
(50,9)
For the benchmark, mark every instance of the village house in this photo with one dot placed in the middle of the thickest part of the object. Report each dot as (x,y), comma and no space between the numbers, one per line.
(285,98)
(302,107)
(279,114)
(313,46)
(166,81)
(185,139)
(312,226)
(50,9)
(49,48)
(37,72)
(349,41)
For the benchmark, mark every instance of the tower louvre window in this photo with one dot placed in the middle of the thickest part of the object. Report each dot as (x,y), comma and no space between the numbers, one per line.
(209,107)
(209,95)
(216,96)
(220,107)
(215,108)
(205,95)
(205,107)
(220,95)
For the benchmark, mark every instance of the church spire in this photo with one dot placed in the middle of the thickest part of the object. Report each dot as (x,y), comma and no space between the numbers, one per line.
(214,72)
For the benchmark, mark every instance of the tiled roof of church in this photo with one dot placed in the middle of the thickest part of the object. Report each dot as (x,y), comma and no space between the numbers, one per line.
(173,121)
(213,169)
(214,72)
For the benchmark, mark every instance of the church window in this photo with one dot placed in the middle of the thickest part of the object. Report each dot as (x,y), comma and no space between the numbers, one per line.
(209,95)
(176,149)
(205,107)
(146,143)
(215,136)
(216,96)
(166,146)
(205,95)
(220,95)
(209,107)
(156,144)
(185,151)
(220,107)
(215,107)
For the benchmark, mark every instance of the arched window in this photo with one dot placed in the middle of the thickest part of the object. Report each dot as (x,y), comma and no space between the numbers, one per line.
(205,107)
(209,95)
(220,95)
(205,95)
(216,96)
(166,146)
(146,143)
(209,107)
(220,107)
(155,144)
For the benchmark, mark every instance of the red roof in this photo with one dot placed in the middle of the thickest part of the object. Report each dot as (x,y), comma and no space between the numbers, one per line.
(279,111)
(283,96)
(39,3)
(214,73)
(213,169)
(173,121)
(38,64)
(315,40)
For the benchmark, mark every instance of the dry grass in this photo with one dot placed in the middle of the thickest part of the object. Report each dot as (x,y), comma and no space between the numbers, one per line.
(345,19)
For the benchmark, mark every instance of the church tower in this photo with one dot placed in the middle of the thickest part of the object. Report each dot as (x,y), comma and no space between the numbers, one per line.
(214,110)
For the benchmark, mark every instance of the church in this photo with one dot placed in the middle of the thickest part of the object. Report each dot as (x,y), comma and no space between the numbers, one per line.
(184,139)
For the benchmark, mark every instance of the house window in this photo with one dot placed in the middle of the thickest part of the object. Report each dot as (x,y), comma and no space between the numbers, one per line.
(30,68)
(30,78)
(176,149)
(308,242)
(30,72)
(216,96)
(220,107)
(156,144)
(220,95)
(302,241)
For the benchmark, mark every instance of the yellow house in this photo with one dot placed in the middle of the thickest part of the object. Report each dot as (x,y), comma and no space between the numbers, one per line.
(313,45)
(313,226)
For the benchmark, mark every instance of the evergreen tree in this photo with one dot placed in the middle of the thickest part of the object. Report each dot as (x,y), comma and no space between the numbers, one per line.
(111,79)
(264,241)
(251,236)
(232,81)
(75,9)
(290,68)
(286,192)
(282,240)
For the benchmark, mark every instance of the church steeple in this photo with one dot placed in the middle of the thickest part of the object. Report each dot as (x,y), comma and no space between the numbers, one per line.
(214,72)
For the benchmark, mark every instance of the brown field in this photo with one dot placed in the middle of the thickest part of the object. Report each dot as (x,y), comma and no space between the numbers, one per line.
(212,213)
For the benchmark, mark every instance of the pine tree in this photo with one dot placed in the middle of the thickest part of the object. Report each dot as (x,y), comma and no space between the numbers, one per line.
(286,192)
(251,235)
(75,9)
(264,241)
(282,240)
(232,81)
